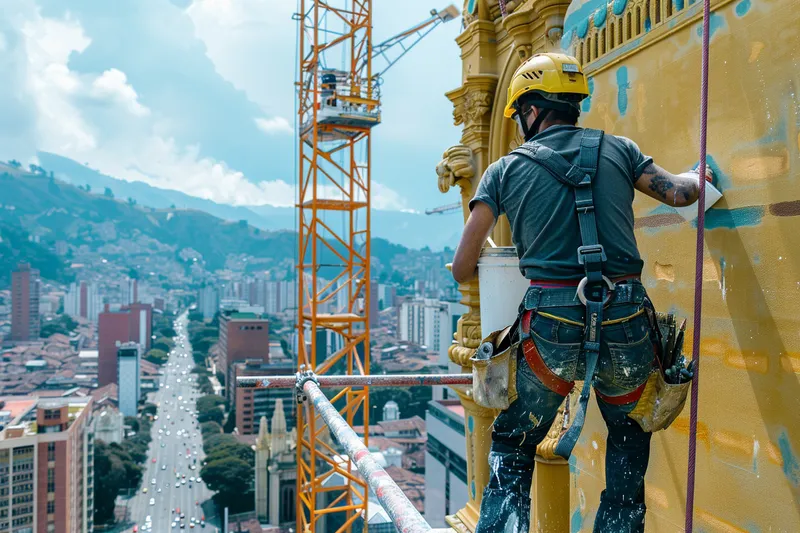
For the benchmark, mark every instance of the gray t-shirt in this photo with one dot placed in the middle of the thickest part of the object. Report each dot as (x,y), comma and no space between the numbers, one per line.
(541,209)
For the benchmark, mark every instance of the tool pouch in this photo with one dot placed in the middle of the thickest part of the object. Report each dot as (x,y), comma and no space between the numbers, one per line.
(661,402)
(494,370)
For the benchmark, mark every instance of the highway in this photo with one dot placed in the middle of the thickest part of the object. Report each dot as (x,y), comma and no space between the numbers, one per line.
(174,432)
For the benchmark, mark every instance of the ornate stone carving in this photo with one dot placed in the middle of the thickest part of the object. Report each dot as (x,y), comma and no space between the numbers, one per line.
(457,168)
(476,107)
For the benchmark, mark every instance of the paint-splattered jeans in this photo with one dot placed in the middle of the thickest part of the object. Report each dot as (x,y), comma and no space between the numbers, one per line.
(625,362)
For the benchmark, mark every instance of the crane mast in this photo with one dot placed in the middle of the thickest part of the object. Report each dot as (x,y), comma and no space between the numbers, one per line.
(338,105)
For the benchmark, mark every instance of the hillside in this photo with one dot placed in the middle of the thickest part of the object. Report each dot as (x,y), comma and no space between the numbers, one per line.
(412,230)
(102,227)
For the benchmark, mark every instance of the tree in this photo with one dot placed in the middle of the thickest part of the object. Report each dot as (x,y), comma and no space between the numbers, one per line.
(149,409)
(108,193)
(168,332)
(230,478)
(110,475)
(195,316)
(209,401)
(133,422)
(131,201)
(157,356)
(88,188)
(15,164)
(212,442)
(210,428)
(238,450)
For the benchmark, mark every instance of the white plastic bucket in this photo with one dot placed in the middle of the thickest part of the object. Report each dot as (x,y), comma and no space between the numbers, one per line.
(502,287)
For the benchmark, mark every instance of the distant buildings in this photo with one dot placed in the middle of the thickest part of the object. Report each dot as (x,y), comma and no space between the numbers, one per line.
(46,465)
(25,303)
(108,425)
(251,405)
(429,322)
(241,336)
(208,301)
(276,471)
(445,461)
(129,289)
(129,377)
(82,301)
(132,324)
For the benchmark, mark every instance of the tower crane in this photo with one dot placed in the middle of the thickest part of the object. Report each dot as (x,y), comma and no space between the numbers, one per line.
(338,105)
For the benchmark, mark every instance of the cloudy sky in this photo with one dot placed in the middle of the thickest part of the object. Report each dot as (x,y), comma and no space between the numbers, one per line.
(197,95)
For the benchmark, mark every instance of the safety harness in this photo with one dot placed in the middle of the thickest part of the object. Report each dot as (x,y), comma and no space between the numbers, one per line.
(595,290)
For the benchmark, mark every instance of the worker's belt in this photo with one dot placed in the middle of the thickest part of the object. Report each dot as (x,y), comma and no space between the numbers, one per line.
(536,297)
(553,381)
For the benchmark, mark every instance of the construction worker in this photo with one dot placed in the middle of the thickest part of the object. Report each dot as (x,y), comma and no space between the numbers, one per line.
(568,195)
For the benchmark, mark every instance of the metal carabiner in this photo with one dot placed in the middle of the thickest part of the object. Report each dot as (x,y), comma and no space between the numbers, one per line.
(581,292)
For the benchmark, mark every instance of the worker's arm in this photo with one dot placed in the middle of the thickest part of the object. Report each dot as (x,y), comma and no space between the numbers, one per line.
(675,190)
(476,231)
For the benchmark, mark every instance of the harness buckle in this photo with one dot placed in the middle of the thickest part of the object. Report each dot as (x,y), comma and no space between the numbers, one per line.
(581,292)
(591,249)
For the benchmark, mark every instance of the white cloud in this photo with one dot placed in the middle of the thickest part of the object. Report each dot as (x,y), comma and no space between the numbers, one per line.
(68,121)
(274,125)
(113,85)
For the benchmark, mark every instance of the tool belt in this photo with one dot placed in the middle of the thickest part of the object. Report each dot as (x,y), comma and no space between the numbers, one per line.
(494,370)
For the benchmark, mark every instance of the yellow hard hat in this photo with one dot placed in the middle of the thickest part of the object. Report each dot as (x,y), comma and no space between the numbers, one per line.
(555,77)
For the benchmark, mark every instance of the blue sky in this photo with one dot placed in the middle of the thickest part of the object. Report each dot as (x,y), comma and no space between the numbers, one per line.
(197,95)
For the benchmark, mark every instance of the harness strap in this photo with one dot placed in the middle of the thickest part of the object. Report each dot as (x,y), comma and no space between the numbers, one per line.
(550,379)
(591,255)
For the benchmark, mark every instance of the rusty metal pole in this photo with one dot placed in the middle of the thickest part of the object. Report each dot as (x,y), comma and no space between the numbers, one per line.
(404,515)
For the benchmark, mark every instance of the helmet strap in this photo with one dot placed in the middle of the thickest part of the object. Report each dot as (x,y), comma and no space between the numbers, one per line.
(537,123)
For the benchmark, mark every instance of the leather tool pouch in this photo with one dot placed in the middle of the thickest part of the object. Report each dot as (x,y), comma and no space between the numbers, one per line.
(494,370)
(661,402)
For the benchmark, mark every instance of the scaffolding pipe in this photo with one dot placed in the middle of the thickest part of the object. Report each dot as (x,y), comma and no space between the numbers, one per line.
(391,380)
(404,515)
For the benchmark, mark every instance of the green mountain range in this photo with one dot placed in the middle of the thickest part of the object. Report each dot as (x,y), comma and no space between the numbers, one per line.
(37,210)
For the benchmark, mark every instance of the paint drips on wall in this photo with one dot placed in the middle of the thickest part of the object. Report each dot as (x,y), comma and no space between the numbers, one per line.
(623,84)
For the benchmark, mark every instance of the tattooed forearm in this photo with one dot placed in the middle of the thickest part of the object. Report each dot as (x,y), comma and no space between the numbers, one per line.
(668,188)
(661,185)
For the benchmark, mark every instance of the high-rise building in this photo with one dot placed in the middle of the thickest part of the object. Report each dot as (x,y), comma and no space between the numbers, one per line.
(387,296)
(208,301)
(428,322)
(445,461)
(131,324)
(24,303)
(252,404)
(141,328)
(130,291)
(374,303)
(46,465)
(129,384)
(112,328)
(241,336)
(82,301)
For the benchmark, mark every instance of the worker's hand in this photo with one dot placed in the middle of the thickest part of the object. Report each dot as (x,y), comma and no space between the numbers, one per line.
(709,172)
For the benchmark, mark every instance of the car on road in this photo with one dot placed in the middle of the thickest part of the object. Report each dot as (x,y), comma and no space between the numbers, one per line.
(152,501)
(159,490)
(135,529)
(177,484)
(183,515)
(153,481)
(163,467)
(144,490)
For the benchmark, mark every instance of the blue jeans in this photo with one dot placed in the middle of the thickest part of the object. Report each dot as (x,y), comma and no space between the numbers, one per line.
(625,362)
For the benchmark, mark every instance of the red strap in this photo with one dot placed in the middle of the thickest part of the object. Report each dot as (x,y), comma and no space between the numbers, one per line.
(629,397)
(552,381)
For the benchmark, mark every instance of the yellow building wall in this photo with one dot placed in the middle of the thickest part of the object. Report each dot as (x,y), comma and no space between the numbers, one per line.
(646,86)
(748,457)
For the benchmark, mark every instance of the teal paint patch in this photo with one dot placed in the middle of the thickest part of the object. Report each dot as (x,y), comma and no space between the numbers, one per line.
(678,4)
(586,105)
(722,181)
(600,17)
(472,488)
(470,423)
(647,25)
(583,28)
(618,7)
(580,16)
(573,465)
(622,90)
(756,259)
(742,8)
(715,22)
(576,522)
(566,40)
(662,209)
(791,468)
(732,218)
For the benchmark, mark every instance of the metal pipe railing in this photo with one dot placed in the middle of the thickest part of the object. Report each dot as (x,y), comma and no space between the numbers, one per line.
(383,380)
(404,515)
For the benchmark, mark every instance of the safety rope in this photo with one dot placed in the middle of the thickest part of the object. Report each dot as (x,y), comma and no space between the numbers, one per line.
(698,275)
